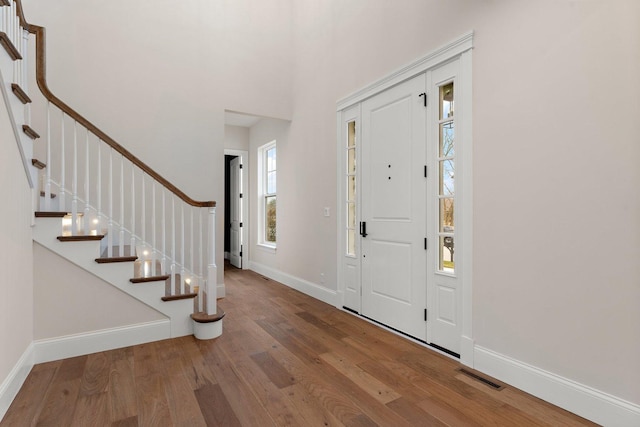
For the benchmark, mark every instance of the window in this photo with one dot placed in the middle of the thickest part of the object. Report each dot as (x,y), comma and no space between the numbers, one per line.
(351,188)
(267,198)
(446,176)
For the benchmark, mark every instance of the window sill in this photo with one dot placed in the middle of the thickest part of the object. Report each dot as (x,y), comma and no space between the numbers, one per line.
(267,248)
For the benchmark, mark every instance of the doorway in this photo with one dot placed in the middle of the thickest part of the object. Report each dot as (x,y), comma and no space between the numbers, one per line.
(236,208)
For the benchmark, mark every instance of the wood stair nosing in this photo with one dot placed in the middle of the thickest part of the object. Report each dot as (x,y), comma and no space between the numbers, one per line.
(38,164)
(107,260)
(150,279)
(178,297)
(81,238)
(21,94)
(45,214)
(5,41)
(202,317)
(30,132)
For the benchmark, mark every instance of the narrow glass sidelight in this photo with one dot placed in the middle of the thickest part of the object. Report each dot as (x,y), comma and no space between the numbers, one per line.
(351,188)
(446,179)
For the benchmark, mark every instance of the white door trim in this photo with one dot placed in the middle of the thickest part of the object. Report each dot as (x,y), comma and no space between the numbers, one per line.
(244,156)
(460,49)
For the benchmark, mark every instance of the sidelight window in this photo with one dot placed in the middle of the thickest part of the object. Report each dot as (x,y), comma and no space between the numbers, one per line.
(267,185)
(446,176)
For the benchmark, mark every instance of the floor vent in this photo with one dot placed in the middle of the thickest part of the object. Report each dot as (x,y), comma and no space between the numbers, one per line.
(482,379)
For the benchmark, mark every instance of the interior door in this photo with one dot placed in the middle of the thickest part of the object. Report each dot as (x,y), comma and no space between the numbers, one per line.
(393,204)
(235,227)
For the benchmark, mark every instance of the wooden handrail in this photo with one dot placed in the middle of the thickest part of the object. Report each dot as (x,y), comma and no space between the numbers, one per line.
(41,78)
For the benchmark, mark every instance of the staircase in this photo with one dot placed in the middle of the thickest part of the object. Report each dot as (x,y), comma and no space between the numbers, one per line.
(99,206)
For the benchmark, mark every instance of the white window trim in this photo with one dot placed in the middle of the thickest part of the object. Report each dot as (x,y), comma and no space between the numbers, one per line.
(262,164)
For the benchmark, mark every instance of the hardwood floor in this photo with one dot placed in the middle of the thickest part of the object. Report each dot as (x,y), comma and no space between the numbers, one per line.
(284,359)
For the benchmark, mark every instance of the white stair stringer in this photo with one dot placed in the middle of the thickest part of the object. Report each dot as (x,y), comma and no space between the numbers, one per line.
(84,253)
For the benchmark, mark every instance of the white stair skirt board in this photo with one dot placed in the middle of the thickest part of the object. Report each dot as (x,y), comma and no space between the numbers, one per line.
(10,387)
(585,401)
(83,255)
(107,339)
(316,291)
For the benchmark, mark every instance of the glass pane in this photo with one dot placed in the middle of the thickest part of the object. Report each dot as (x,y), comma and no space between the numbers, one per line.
(351,215)
(270,219)
(351,167)
(447,138)
(352,189)
(447,251)
(271,159)
(351,242)
(271,182)
(446,101)
(447,183)
(351,141)
(446,216)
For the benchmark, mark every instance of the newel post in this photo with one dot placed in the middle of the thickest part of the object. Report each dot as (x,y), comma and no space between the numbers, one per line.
(212,269)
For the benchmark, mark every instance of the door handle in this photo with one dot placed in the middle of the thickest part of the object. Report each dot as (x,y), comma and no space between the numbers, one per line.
(363,228)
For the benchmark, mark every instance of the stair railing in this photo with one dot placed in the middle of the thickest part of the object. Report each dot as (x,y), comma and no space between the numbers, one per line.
(109,191)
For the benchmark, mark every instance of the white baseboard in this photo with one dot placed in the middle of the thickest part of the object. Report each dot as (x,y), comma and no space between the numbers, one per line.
(582,400)
(11,385)
(221,290)
(316,291)
(107,339)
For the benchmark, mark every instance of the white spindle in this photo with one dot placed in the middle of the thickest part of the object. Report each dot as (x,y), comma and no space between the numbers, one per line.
(87,187)
(212,269)
(110,207)
(192,264)
(99,188)
(143,210)
(62,198)
(173,245)
(153,227)
(121,236)
(133,210)
(74,182)
(163,264)
(202,263)
(47,186)
(182,251)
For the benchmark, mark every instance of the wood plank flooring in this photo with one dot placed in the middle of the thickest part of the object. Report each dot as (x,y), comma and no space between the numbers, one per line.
(284,359)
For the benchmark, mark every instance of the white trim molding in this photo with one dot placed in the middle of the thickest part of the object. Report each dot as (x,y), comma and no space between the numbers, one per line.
(11,385)
(58,348)
(595,405)
(313,290)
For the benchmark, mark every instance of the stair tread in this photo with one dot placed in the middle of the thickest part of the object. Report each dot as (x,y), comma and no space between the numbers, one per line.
(106,260)
(5,41)
(49,214)
(81,238)
(28,130)
(21,94)
(202,317)
(179,296)
(37,163)
(149,279)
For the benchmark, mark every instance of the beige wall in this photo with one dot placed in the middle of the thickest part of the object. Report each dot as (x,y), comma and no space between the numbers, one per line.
(236,138)
(16,278)
(555,98)
(69,300)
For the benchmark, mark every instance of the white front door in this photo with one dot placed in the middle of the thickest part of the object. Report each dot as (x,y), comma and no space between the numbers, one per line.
(394,191)
(235,227)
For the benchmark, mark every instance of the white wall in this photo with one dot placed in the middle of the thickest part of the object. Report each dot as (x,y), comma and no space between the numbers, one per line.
(69,300)
(16,277)
(236,138)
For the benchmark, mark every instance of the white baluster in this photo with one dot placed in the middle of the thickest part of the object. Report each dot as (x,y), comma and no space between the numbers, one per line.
(182,251)
(164,234)
(47,186)
(143,210)
(62,199)
(153,227)
(87,187)
(201,265)
(173,245)
(133,210)
(121,236)
(74,182)
(212,269)
(110,207)
(191,260)
(99,188)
